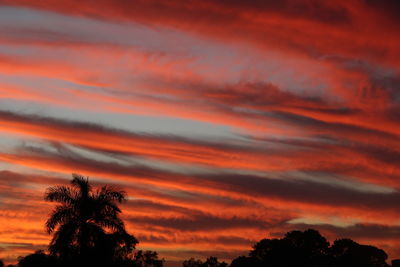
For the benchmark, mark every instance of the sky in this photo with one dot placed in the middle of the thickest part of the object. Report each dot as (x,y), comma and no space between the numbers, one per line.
(225,121)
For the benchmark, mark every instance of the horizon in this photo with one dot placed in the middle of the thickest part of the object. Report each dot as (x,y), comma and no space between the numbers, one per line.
(224,121)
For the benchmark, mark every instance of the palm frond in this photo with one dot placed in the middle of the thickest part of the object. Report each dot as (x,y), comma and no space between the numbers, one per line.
(110,193)
(61,215)
(60,194)
(108,208)
(63,239)
(124,238)
(82,184)
(113,223)
(94,232)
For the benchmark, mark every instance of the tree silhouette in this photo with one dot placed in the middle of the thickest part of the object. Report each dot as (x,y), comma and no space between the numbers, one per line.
(311,249)
(243,261)
(1,263)
(147,259)
(37,259)
(86,224)
(347,253)
(297,248)
(213,262)
(192,262)
(210,262)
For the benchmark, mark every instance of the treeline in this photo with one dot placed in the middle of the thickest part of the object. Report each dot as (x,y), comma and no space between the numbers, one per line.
(42,259)
(304,249)
(310,248)
(296,249)
(88,232)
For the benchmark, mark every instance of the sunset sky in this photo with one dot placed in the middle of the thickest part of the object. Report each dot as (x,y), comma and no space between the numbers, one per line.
(225,121)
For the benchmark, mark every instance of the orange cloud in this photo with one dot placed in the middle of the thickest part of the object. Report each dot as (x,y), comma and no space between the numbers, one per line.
(327,148)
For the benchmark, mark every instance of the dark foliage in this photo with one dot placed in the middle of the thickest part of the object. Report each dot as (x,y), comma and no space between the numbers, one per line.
(246,261)
(210,262)
(87,231)
(38,259)
(147,259)
(311,249)
(86,227)
(138,259)
(346,253)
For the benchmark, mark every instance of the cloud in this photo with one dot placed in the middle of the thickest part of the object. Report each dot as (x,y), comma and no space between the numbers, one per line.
(258,22)
(370,148)
(260,189)
(307,90)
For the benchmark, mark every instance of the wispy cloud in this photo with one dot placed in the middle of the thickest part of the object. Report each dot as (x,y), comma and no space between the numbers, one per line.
(295,106)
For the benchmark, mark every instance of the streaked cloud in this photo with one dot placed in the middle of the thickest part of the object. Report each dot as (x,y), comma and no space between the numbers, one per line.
(225,121)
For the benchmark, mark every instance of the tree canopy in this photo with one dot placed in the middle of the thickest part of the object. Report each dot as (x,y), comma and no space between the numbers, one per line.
(310,249)
(210,262)
(86,226)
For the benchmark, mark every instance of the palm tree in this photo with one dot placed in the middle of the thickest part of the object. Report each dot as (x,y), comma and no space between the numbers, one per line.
(86,221)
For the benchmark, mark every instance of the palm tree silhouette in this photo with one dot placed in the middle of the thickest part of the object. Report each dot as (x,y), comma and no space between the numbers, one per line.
(86,220)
